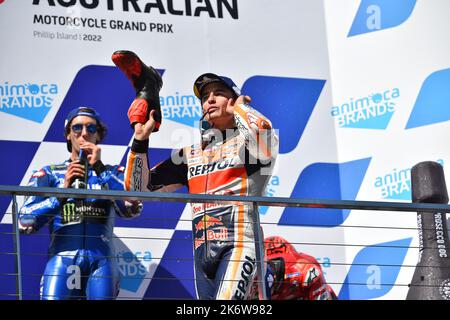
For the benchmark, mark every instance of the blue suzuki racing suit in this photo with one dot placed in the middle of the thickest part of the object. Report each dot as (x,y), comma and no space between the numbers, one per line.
(81,263)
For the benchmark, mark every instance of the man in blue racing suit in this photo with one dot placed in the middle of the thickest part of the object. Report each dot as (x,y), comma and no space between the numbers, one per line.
(81,263)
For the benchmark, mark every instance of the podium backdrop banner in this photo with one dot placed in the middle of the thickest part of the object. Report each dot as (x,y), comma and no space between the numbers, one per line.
(358,91)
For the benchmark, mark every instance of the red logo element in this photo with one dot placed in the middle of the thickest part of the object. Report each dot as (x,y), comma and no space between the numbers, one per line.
(219,234)
(39,173)
(226,192)
(1,1)
(207,222)
(252,119)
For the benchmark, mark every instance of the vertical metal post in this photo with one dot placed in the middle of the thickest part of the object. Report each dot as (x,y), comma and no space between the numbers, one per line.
(259,249)
(18,264)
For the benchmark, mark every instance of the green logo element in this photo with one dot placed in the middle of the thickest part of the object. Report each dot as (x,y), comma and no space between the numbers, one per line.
(70,214)
(312,274)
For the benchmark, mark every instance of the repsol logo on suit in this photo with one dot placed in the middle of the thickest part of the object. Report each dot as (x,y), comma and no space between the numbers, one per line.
(202,169)
(247,270)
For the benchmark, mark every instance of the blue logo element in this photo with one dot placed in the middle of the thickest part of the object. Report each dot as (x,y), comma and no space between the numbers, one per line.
(325,181)
(107,90)
(371,112)
(132,269)
(374,271)
(375,15)
(271,188)
(14,166)
(433,102)
(174,276)
(31,101)
(287,102)
(396,184)
(185,109)
(325,262)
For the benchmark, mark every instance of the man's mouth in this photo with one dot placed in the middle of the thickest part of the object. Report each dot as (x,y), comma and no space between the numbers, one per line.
(212,109)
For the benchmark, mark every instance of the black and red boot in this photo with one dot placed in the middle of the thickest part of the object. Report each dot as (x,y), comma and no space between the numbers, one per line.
(147,83)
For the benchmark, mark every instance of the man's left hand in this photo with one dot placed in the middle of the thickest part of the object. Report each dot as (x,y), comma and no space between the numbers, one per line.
(237,101)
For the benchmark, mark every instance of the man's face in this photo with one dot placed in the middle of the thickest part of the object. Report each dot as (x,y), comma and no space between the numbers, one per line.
(81,130)
(215,97)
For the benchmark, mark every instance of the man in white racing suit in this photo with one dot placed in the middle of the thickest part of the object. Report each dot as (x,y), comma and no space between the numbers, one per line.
(236,157)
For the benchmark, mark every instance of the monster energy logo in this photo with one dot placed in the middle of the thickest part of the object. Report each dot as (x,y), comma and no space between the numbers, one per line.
(70,214)
(74,212)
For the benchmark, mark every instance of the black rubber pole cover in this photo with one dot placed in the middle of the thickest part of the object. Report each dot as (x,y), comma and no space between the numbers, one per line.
(431,279)
(428,183)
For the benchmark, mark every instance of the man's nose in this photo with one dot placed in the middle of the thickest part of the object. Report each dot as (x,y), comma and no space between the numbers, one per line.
(211,97)
(84,131)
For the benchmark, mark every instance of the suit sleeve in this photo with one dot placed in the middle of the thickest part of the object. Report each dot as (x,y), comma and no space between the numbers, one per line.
(111,178)
(166,176)
(260,137)
(42,209)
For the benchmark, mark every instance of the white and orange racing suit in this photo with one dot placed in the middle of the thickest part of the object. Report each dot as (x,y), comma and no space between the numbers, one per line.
(239,162)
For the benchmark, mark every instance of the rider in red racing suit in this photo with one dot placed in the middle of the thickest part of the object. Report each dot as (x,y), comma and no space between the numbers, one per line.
(236,157)
(297,276)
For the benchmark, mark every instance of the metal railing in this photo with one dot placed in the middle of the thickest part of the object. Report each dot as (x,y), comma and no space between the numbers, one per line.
(15,191)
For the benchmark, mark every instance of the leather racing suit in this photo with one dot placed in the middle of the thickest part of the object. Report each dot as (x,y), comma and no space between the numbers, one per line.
(237,162)
(81,263)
